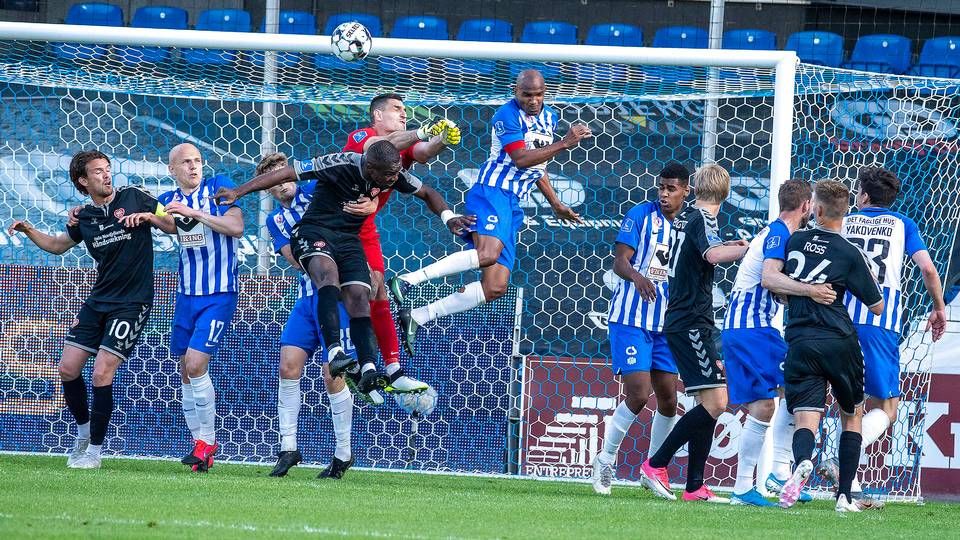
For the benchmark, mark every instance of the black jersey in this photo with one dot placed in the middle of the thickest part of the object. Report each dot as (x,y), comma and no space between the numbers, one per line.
(339,181)
(690,287)
(124,256)
(822,256)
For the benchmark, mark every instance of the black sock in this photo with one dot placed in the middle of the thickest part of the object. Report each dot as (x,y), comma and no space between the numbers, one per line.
(849,459)
(689,424)
(75,394)
(700,443)
(361,333)
(100,415)
(803,443)
(328,314)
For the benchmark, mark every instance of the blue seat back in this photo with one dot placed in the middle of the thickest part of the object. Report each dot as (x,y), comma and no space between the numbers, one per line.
(817,47)
(160,17)
(420,27)
(494,30)
(943,51)
(754,40)
(549,32)
(224,20)
(624,35)
(372,22)
(95,14)
(879,49)
(294,22)
(681,37)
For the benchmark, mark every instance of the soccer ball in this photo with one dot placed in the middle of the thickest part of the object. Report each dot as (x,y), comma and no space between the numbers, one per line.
(351,41)
(420,404)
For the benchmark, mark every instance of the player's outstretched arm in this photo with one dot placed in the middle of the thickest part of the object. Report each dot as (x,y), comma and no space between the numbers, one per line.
(230,224)
(726,252)
(775,281)
(937,321)
(443,134)
(435,202)
(57,245)
(528,157)
(561,210)
(267,180)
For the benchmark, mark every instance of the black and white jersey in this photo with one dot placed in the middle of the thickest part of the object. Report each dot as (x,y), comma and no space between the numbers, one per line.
(690,276)
(340,180)
(821,256)
(124,256)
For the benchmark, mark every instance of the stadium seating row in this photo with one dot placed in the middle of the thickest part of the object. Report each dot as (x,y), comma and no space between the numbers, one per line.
(884,53)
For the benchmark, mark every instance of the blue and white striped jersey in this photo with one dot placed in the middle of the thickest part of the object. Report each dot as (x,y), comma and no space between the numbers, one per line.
(512,129)
(280,224)
(884,236)
(647,231)
(752,306)
(208,259)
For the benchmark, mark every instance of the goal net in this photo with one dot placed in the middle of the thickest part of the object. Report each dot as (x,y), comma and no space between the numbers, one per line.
(524,382)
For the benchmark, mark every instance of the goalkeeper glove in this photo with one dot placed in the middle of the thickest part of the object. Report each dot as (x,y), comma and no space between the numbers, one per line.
(451,134)
(429,130)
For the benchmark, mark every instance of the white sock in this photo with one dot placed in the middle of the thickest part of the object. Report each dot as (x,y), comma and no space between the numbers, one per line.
(874,426)
(83,431)
(616,427)
(659,429)
(751,444)
(206,407)
(471,297)
(341,410)
(288,411)
(449,265)
(94,449)
(189,409)
(783,428)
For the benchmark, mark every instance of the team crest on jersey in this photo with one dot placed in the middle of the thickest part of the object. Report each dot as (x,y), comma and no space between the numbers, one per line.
(773,242)
(119,213)
(627,225)
(279,219)
(306,166)
(499,128)
(359,136)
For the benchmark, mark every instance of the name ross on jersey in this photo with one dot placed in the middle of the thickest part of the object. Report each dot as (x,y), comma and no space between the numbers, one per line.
(811,247)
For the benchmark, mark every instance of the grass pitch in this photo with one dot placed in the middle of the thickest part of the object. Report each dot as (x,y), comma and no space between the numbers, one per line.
(41,498)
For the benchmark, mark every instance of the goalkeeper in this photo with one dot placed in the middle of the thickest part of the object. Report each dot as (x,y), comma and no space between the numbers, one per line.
(388,121)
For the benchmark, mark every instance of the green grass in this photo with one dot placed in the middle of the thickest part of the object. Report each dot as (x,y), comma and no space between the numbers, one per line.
(41,498)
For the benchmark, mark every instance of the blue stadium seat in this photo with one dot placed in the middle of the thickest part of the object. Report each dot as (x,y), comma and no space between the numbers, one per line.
(817,47)
(940,57)
(882,53)
(289,22)
(489,30)
(21,5)
(753,40)
(171,18)
(681,37)
(89,14)
(624,35)
(218,20)
(545,32)
(324,62)
(414,27)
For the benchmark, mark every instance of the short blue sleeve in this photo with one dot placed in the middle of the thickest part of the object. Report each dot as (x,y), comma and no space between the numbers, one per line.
(276,234)
(308,188)
(506,125)
(913,242)
(775,245)
(630,234)
(166,197)
(221,181)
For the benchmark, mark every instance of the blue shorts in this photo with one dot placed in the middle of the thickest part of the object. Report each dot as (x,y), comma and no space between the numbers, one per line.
(881,361)
(199,322)
(753,358)
(499,215)
(635,349)
(303,330)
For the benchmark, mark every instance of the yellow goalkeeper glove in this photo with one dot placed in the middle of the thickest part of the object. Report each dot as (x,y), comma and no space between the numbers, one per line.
(448,130)
(429,130)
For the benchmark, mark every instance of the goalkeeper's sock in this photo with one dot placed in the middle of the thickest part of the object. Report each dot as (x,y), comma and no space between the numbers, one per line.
(848,457)
(341,411)
(100,414)
(470,297)
(206,408)
(783,426)
(660,427)
(75,394)
(189,406)
(615,429)
(751,444)
(386,331)
(288,411)
(874,426)
(454,263)
(392,368)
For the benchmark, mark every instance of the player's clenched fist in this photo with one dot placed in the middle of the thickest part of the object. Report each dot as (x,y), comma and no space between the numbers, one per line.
(450,133)
(429,130)
(19,226)
(576,133)
(225,196)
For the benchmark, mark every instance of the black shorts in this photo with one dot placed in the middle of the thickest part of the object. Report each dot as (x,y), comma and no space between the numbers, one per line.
(114,328)
(812,363)
(344,249)
(698,361)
